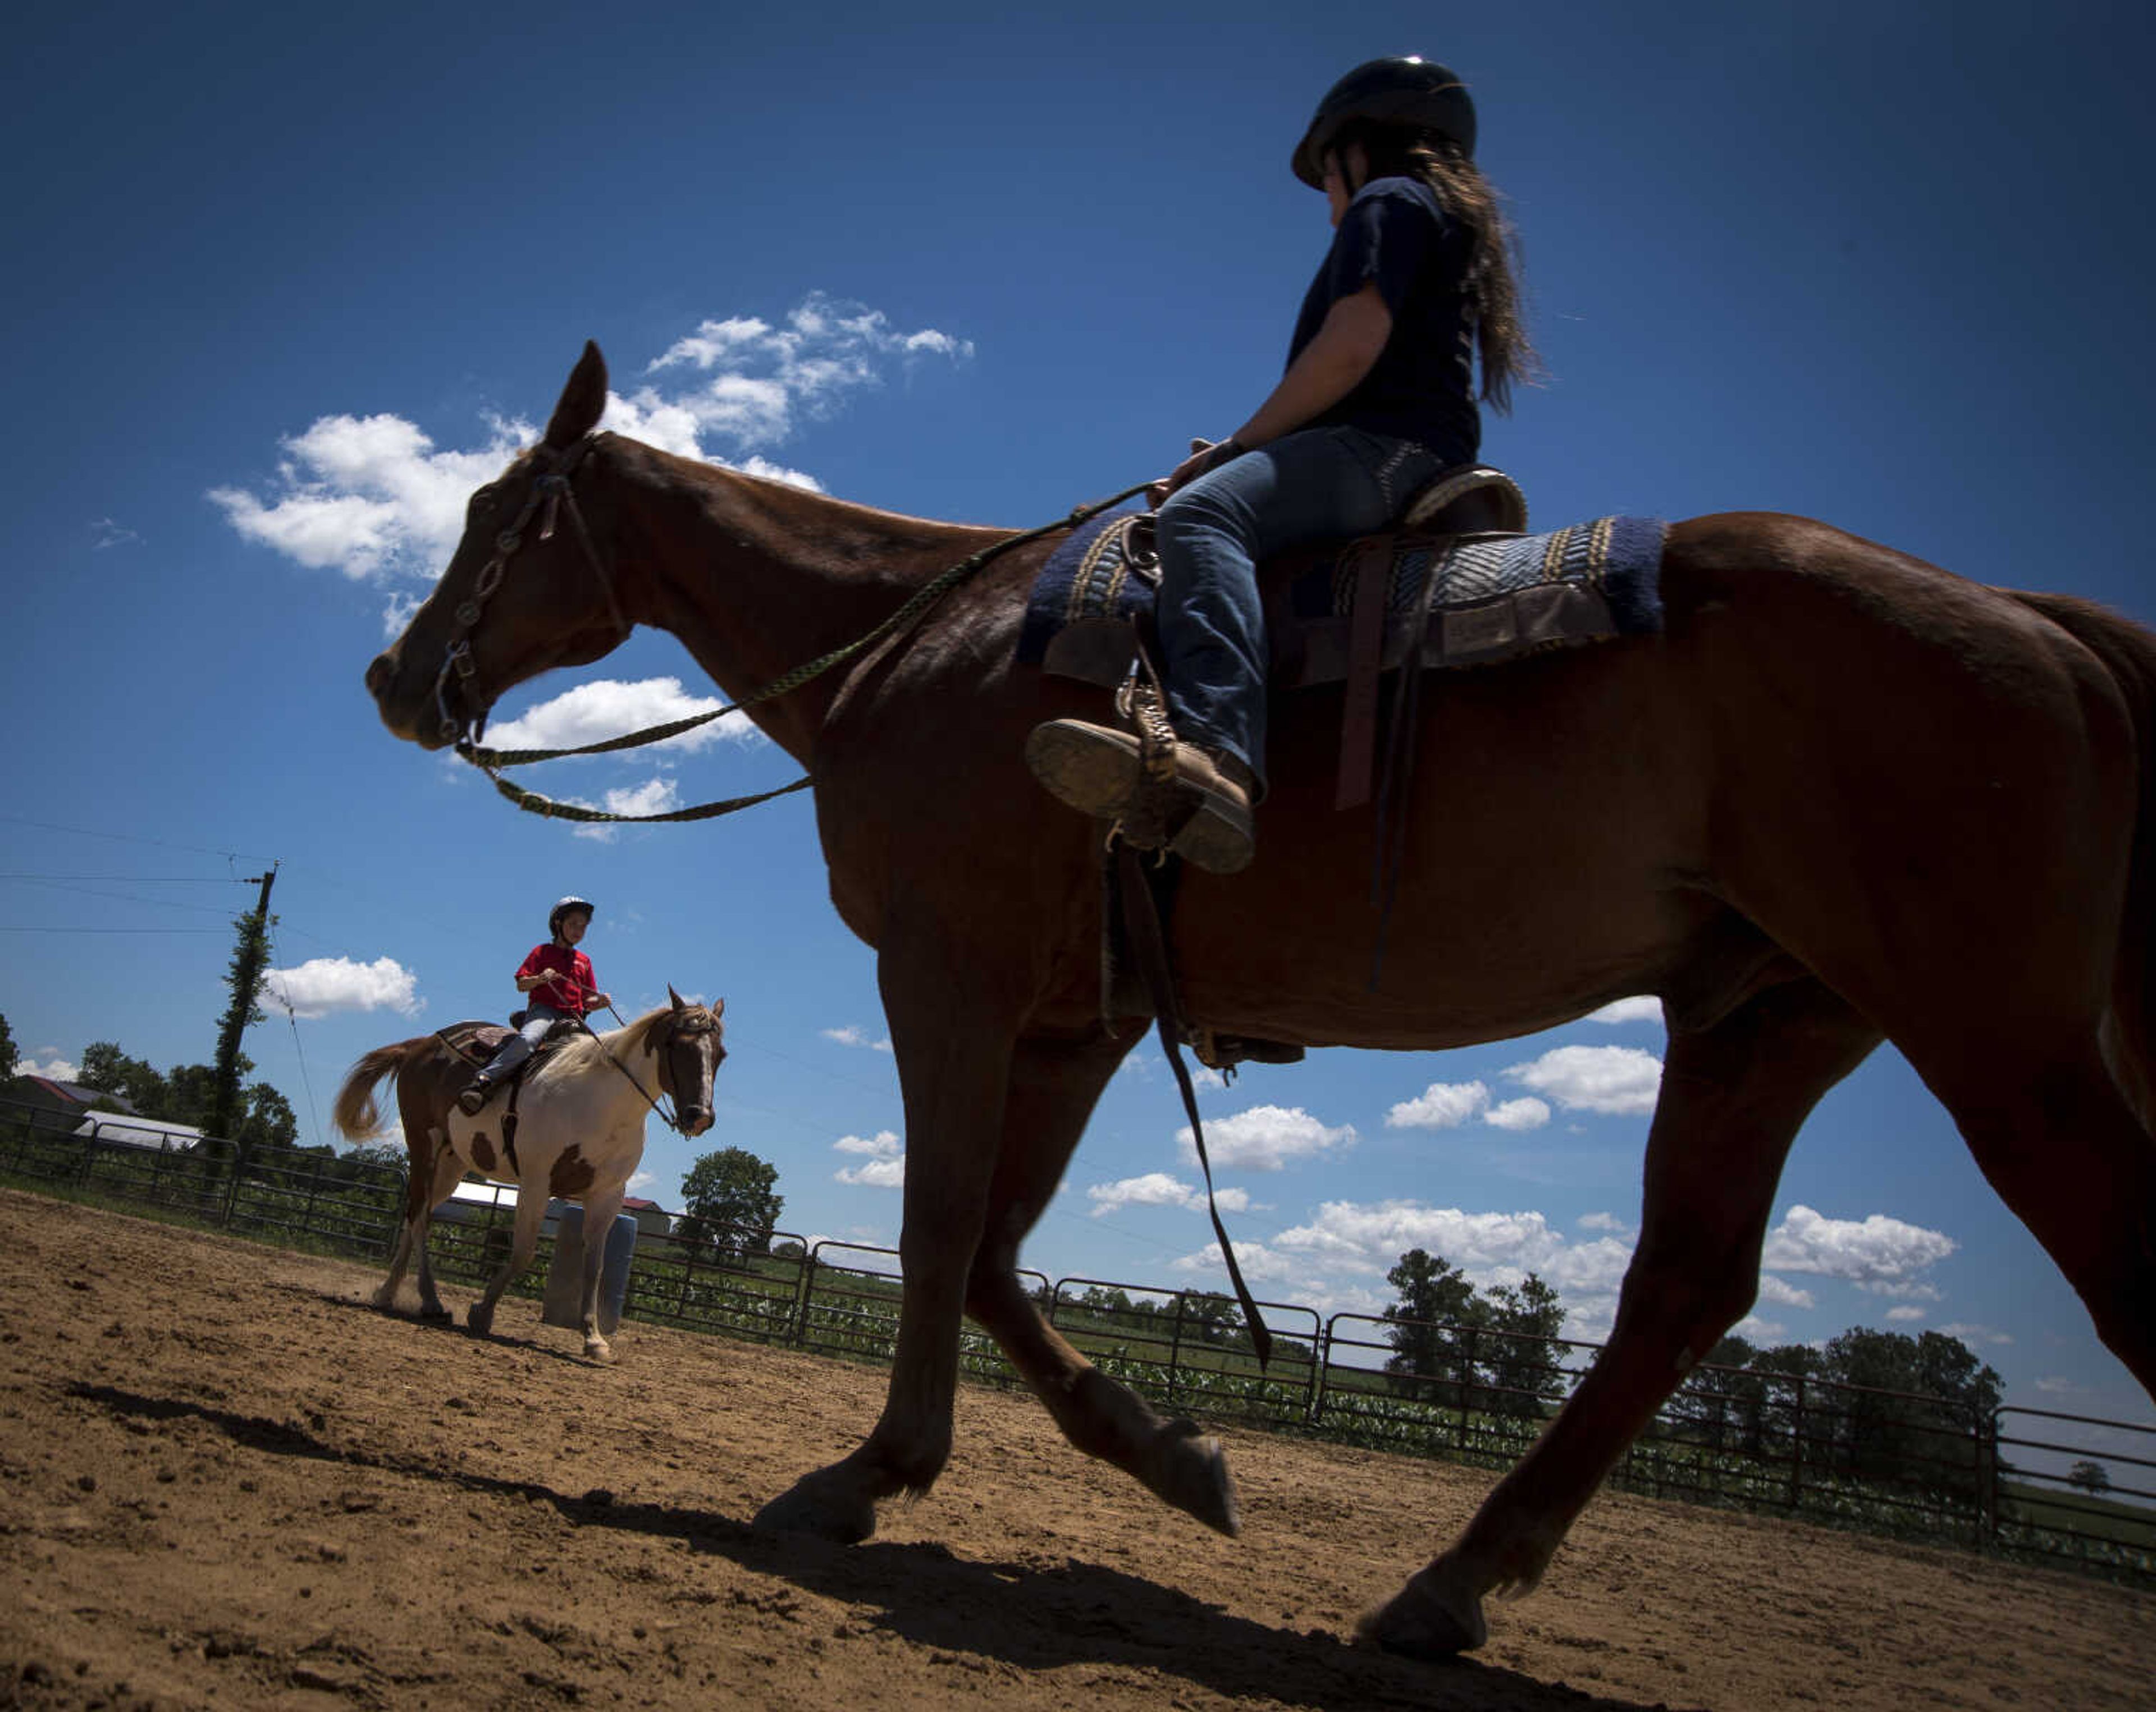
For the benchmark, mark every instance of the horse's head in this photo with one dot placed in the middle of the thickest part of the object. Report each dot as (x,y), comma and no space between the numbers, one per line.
(691,1045)
(521,595)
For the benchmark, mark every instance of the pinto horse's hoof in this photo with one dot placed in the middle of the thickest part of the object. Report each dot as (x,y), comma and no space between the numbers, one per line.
(1189,1469)
(1435,1615)
(825,1507)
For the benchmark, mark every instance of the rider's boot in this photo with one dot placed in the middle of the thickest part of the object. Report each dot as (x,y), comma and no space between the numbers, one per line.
(1096,768)
(475,1095)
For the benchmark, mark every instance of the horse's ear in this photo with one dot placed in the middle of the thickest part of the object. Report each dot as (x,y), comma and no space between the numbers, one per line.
(583,401)
(718,1007)
(676,996)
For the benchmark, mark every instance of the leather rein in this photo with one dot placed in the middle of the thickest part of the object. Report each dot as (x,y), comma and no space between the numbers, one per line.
(553,491)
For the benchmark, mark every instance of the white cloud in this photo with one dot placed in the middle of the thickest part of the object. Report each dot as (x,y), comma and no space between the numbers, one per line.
(1617,1080)
(106,532)
(373,497)
(851,1036)
(657,795)
(591,713)
(1973,1334)
(322,985)
(766,380)
(1785,1294)
(885,1156)
(1603,1221)
(1645,1009)
(1265,1138)
(1525,1113)
(369,496)
(1902,1316)
(1159,1189)
(1442,1106)
(1872,1252)
(48,1062)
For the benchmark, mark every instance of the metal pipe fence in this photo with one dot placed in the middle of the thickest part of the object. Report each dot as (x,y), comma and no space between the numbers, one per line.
(1916,1467)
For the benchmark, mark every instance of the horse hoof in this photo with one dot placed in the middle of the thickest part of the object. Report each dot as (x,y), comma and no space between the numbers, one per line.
(1189,1469)
(1435,1615)
(815,1506)
(596,1351)
(480,1324)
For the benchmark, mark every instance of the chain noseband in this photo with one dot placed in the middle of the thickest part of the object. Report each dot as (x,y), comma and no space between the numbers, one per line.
(550,490)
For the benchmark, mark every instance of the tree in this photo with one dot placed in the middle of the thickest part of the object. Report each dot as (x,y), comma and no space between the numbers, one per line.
(250,958)
(729,1202)
(1920,1415)
(107,1070)
(1429,1352)
(1518,1362)
(8,1056)
(2091,1477)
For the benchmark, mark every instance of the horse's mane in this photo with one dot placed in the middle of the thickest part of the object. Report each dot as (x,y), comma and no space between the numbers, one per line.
(583,1051)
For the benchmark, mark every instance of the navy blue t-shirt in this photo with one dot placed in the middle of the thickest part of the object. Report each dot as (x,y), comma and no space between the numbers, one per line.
(1422,386)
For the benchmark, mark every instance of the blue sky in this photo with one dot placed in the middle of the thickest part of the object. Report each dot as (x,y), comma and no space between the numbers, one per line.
(287,286)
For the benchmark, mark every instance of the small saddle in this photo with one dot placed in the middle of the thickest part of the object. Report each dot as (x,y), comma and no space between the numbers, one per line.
(477,1043)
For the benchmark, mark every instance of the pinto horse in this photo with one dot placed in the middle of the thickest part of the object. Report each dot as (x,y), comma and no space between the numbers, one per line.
(578,1136)
(1845,797)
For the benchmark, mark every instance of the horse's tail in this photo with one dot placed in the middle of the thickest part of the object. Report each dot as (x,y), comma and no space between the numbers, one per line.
(2129,651)
(355,1114)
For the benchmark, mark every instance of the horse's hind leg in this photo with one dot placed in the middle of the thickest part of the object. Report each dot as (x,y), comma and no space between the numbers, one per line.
(1733,1099)
(449,1171)
(429,1161)
(2061,1145)
(1055,1085)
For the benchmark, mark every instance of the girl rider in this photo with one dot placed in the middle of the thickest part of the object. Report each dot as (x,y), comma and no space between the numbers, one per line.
(1379,396)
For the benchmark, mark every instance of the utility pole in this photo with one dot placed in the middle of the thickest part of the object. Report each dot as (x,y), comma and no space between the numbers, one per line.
(249,958)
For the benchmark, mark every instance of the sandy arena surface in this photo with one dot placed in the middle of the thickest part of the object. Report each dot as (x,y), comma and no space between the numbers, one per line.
(227,1481)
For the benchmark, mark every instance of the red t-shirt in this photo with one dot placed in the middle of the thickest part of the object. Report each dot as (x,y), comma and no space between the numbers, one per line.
(571,990)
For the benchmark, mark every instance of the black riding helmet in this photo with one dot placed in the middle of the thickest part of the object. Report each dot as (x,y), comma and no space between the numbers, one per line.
(1401,90)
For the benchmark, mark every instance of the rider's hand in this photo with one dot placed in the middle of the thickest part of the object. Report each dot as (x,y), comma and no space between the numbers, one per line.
(1205,456)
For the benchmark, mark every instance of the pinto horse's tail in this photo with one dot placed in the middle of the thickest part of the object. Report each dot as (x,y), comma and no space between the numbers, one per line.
(2129,651)
(355,1114)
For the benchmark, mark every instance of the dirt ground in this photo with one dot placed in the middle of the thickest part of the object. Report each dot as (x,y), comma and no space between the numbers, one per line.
(227,1481)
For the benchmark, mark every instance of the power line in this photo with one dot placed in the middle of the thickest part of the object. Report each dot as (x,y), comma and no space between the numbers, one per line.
(122,838)
(217,930)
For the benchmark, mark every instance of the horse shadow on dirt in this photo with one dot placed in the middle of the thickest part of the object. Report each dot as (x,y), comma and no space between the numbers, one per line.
(1026,1616)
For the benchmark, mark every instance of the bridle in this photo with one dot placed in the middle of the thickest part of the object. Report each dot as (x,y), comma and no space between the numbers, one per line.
(550,490)
(691,1022)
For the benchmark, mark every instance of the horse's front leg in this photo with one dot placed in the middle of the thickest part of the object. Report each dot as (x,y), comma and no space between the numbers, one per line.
(524,1241)
(1055,1084)
(953,1042)
(600,1211)
(1731,1100)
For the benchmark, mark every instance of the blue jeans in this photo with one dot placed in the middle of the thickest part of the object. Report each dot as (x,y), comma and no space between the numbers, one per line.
(538,1019)
(1317,485)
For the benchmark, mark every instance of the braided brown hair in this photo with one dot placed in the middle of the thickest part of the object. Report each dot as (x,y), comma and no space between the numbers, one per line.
(1492,286)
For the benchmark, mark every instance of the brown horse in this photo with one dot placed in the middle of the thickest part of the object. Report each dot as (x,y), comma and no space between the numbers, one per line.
(578,1136)
(1845,797)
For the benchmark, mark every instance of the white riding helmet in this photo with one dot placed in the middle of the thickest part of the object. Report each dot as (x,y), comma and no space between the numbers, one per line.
(554,915)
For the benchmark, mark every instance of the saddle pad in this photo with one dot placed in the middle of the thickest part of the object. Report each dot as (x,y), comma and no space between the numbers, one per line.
(1494,597)
(1091,577)
(474,1042)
